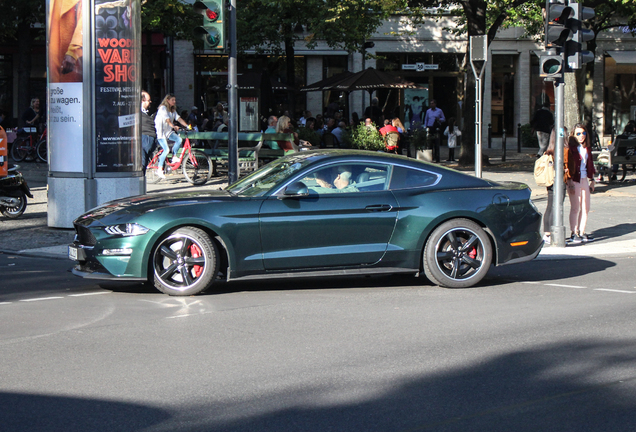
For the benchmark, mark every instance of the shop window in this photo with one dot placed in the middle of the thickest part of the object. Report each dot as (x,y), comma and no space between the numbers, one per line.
(503,95)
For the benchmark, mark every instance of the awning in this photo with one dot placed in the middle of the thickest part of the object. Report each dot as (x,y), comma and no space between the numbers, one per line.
(623,57)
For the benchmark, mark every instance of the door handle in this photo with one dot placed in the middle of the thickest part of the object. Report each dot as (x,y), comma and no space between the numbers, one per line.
(379,208)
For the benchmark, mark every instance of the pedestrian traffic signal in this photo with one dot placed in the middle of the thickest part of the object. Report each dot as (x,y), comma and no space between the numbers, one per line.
(213,29)
(557,33)
(574,54)
(551,66)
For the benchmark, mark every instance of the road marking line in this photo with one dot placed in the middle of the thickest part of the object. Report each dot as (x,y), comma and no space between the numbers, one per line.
(5,303)
(89,294)
(567,286)
(531,283)
(615,290)
(41,298)
(180,316)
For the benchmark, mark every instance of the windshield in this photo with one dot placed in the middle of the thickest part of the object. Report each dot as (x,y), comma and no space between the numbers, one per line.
(260,182)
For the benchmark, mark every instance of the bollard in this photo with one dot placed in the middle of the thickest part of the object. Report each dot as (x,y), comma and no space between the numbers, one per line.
(519,138)
(503,146)
(489,135)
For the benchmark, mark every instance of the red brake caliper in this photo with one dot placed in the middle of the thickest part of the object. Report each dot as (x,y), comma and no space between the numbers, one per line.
(473,253)
(195,251)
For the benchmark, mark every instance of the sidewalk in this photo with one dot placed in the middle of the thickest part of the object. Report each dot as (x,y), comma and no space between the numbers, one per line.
(611,219)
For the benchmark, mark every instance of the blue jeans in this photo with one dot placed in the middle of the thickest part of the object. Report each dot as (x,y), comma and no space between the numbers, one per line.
(173,136)
(147,146)
(162,157)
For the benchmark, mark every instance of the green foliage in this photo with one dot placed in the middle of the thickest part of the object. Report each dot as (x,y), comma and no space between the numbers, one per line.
(170,17)
(268,26)
(31,12)
(365,138)
(419,138)
(310,135)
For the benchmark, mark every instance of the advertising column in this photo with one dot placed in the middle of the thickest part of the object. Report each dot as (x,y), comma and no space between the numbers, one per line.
(93,105)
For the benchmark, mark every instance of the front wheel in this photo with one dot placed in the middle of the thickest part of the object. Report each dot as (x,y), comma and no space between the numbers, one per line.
(15,211)
(185,262)
(198,172)
(42,151)
(19,149)
(458,254)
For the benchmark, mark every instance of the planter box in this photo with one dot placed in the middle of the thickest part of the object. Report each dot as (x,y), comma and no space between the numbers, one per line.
(425,155)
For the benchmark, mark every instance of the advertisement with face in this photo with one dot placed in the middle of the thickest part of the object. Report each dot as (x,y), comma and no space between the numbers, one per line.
(117,86)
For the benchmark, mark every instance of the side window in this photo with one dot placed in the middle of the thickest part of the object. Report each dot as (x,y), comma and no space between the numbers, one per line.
(346,178)
(406,178)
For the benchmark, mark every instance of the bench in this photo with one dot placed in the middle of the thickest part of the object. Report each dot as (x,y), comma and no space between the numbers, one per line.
(248,156)
(623,152)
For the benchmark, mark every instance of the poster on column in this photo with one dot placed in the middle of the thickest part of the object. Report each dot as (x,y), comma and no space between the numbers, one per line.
(65,86)
(117,91)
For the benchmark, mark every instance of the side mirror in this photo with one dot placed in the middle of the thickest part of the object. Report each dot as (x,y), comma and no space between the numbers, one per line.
(296,189)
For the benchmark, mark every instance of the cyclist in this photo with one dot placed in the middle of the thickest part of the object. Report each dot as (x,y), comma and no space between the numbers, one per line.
(165,125)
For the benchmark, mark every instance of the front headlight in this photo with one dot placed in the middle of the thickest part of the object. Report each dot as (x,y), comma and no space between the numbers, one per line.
(126,230)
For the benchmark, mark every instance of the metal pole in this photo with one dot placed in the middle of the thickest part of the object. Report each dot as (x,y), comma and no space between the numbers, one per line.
(503,146)
(557,228)
(518,137)
(232,157)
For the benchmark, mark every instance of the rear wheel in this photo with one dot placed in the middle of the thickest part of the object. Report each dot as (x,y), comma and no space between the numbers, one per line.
(16,210)
(42,151)
(199,173)
(457,254)
(185,262)
(19,149)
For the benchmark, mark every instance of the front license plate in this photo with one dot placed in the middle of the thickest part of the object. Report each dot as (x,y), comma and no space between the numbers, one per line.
(72,253)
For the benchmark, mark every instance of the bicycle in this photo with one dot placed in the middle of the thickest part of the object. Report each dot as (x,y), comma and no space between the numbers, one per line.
(25,147)
(197,167)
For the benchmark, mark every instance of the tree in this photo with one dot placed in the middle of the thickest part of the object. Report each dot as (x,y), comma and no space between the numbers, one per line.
(171,18)
(274,27)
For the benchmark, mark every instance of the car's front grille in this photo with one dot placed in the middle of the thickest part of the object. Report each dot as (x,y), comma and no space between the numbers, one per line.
(85,236)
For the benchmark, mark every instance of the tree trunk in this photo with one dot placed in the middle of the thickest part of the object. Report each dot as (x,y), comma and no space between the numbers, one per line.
(571,113)
(24,67)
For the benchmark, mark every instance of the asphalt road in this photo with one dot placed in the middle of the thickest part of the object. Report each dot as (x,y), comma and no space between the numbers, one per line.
(549,346)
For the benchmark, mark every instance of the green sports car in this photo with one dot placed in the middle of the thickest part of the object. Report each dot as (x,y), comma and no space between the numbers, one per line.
(314,213)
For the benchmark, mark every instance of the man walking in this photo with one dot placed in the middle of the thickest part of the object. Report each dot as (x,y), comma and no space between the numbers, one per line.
(433,123)
(542,123)
(148,132)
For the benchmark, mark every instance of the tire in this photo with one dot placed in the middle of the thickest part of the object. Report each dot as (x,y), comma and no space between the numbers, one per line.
(42,151)
(202,172)
(16,211)
(17,153)
(458,254)
(185,262)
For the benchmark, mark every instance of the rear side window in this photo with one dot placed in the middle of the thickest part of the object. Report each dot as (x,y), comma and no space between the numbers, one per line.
(407,178)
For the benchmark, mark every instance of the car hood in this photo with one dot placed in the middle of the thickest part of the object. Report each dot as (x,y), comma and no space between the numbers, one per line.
(136,206)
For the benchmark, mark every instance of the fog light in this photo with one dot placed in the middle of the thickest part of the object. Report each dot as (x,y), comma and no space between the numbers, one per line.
(121,251)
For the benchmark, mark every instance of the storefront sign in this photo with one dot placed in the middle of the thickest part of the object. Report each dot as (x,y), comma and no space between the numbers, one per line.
(420,67)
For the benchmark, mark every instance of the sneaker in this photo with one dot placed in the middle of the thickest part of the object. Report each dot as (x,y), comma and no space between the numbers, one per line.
(175,159)
(586,238)
(160,173)
(547,240)
(599,178)
(575,239)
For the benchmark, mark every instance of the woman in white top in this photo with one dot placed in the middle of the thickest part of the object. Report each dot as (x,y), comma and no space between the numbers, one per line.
(579,174)
(165,125)
(452,132)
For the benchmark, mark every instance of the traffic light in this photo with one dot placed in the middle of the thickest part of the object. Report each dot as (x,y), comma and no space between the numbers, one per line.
(574,54)
(213,29)
(557,31)
(551,66)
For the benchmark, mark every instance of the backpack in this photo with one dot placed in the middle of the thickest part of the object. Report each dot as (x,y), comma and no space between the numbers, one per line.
(544,171)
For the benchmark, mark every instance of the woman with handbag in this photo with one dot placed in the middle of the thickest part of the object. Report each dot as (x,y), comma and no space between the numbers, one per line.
(452,132)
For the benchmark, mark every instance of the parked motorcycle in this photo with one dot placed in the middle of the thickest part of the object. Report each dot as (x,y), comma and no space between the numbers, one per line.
(13,193)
